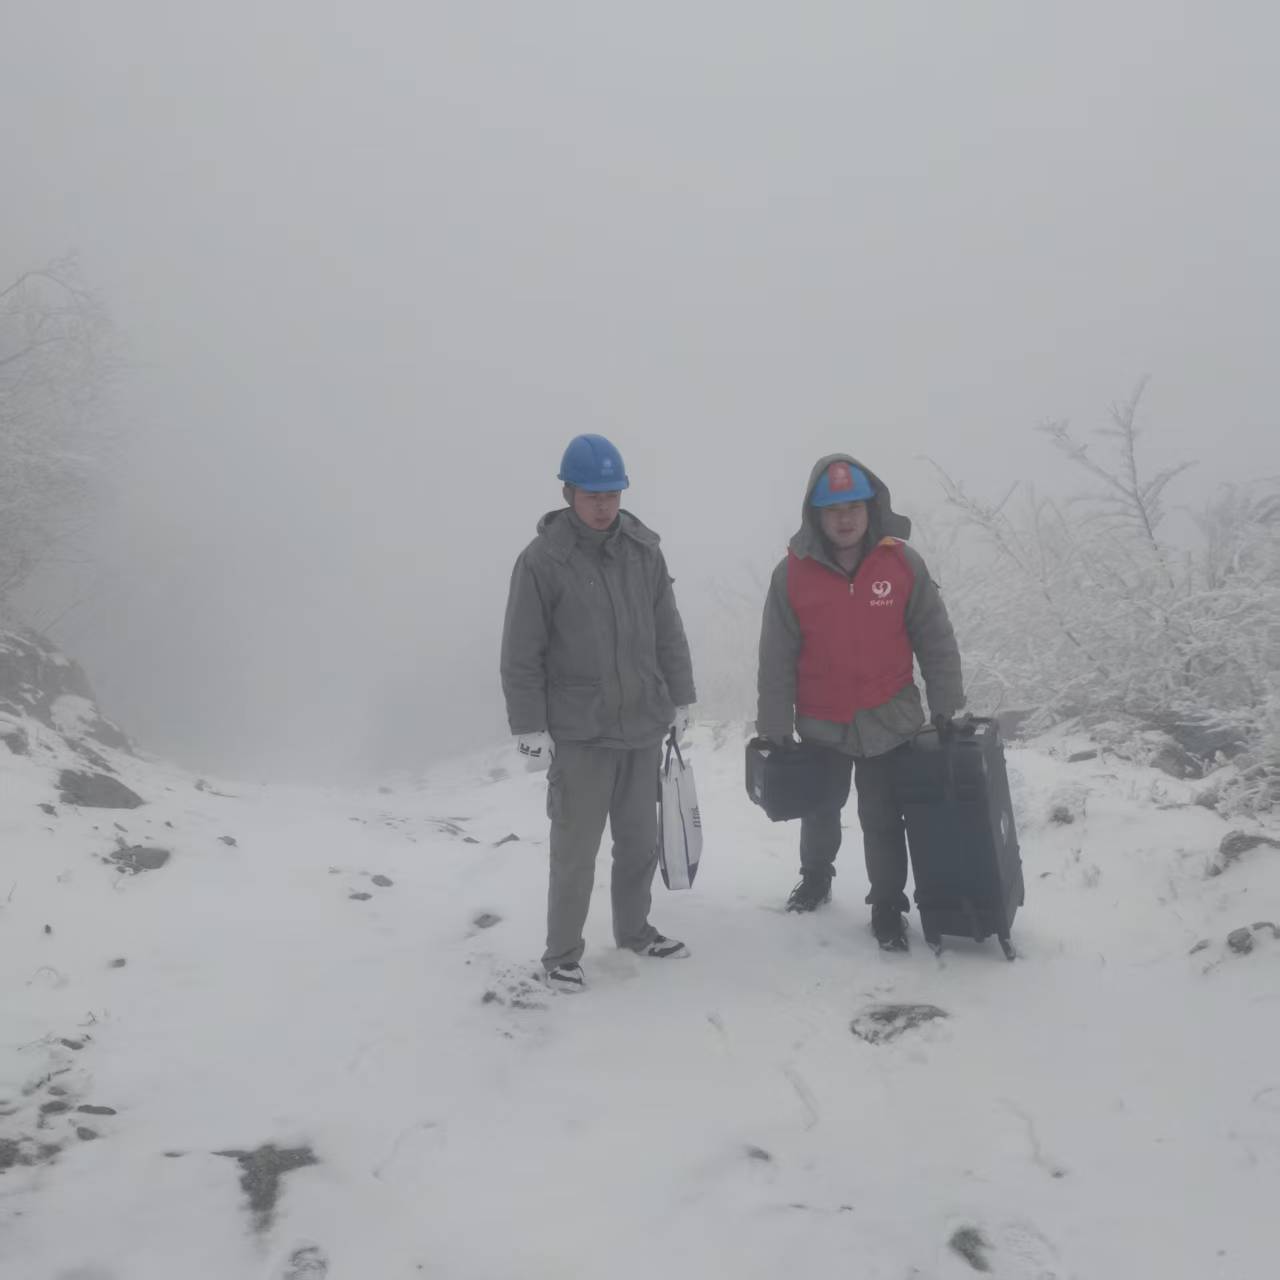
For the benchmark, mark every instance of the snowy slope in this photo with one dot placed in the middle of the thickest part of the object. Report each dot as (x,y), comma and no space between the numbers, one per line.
(402,1101)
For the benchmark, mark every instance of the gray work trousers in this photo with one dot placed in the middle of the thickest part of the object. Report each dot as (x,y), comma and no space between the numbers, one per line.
(884,838)
(586,785)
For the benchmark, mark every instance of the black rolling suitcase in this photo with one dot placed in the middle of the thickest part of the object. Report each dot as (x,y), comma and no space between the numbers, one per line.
(964,848)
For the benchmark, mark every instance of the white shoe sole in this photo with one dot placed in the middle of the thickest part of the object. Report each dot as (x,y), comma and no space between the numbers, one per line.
(564,988)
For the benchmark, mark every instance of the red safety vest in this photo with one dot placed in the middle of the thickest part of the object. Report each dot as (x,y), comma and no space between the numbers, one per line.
(855,652)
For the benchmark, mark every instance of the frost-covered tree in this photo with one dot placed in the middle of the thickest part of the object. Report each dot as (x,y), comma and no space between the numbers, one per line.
(57,361)
(1088,608)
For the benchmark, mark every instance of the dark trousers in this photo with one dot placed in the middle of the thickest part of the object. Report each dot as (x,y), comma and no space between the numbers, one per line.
(884,837)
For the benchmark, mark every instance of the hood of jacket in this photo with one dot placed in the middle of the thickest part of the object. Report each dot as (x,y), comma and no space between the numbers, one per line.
(882,520)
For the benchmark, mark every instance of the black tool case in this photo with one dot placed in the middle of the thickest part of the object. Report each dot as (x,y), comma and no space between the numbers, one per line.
(791,781)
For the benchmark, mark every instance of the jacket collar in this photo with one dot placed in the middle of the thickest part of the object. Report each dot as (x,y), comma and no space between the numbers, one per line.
(558,531)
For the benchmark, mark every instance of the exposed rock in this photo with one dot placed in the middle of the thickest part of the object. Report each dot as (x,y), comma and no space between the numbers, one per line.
(1260,925)
(229,841)
(15,737)
(136,858)
(92,757)
(1076,757)
(1061,815)
(758,1153)
(1240,941)
(96,791)
(486,920)
(85,1134)
(1234,843)
(360,897)
(507,839)
(90,1110)
(1012,723)
(885,1022)
(1176,761)
(39,681)
(1200,946)
(49,809)
(383,882)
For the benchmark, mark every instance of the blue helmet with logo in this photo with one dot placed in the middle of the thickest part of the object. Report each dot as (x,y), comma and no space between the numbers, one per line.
(593,464)
(841,482)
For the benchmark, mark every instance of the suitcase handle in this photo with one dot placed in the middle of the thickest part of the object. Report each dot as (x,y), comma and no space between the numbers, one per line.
(965,729)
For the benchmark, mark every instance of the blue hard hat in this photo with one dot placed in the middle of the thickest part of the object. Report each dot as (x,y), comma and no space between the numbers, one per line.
(841,482)
(593,464)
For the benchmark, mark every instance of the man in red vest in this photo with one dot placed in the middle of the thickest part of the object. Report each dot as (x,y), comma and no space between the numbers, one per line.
(848,610)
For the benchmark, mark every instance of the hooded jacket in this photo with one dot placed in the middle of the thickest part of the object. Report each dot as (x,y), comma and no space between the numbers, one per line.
(593,648)
(845,713)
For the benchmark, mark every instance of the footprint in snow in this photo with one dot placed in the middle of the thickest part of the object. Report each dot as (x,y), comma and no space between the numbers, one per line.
(516,989)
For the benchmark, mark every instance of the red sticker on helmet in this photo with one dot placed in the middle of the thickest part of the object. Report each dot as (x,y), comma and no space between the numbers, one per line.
(839,477)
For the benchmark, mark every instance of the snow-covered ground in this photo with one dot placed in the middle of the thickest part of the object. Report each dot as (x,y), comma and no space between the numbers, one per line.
(302,1080)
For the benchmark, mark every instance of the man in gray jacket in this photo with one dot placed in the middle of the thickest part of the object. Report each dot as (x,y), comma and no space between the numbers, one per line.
(596,672)
(847,611)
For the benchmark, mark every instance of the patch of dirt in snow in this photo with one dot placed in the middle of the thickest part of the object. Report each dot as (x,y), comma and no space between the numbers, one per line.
(882,1023)
(306,1262)
(261,1172)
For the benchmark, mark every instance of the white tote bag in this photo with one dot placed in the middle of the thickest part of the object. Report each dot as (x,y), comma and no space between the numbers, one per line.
(679,822)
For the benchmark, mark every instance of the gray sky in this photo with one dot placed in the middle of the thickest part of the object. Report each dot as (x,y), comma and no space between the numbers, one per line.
(377,262)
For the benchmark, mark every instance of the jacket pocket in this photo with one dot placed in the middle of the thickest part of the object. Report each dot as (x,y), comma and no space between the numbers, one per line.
(902,715)
(573,710)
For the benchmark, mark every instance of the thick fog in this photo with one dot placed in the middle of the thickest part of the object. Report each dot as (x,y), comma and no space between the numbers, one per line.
(376,263)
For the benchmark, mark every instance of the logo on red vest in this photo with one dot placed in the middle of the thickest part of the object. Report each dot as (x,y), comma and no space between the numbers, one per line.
(883,592)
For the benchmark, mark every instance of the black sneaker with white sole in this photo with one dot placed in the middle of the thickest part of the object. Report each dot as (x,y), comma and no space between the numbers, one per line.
(566,977)
(663,948)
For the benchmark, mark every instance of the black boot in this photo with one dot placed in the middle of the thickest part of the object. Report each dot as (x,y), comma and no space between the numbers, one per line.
(813,890)
(889,926)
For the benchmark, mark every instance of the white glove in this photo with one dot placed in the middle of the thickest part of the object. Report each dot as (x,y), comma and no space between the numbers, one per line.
(681,723)
(536,748)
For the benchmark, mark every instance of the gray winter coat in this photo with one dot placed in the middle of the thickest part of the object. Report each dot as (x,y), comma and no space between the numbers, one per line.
(878,729)
(593,649)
